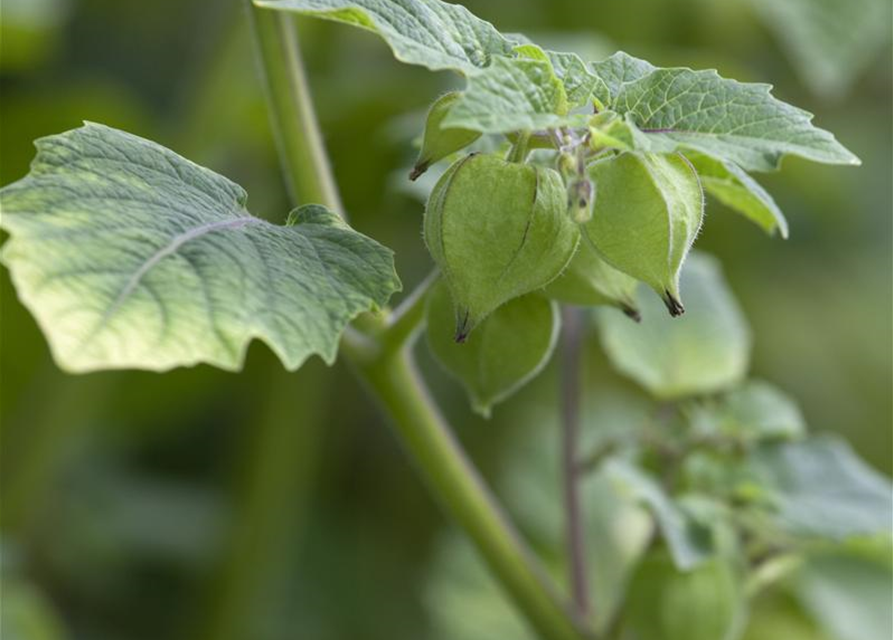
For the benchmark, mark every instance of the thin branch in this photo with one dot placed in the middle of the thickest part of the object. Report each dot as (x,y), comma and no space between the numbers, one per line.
(305,164)
(388,370)
(572,341)
(455,482)
(408,318)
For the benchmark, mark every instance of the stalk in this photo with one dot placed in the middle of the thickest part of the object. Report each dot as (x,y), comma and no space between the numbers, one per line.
(302,153)
(571,343)
(392,379)
(383,361)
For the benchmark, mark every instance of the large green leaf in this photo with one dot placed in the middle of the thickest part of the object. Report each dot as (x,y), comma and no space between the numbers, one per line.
(741,122)
(434,34)
(507,349)
(820,488)
(705,350)
(730,184)
(129,255)
(619,70)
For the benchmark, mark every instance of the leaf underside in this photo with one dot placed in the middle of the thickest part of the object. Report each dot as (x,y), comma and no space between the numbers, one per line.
(130,256)
(430,33)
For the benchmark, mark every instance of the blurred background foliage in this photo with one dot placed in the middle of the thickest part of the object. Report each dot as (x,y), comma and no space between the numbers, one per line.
(206,505)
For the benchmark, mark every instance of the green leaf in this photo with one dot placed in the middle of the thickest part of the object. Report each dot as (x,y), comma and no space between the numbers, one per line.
(28,614)
(512,94)
(588,280)
(607,129)
(130,256)
(830,42)
(619,70)
(647,214)
(689,542)
(440,142)
(849,596)
(820,488)
(579,82)
(679,108)
(507,349)
(756,411)
(437,35)
(704,351)
(731,185)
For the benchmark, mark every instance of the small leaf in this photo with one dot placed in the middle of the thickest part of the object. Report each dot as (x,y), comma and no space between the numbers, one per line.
(690,543)
(820,488)
(704,351)
(513,94)
(588,280)
(440,142)
(646,217)
(757,411)
(579,82)
(506,351)
(679,108)
(434,34)
(131,256)
(607,129)
(497,230)
(731,185)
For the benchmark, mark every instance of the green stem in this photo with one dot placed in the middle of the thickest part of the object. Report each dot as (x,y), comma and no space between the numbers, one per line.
(572,343)
(383,360)
(392,379)
(308,175)
(408,318)
(520,147)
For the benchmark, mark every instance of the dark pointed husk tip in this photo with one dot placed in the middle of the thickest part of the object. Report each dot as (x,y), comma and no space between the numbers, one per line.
(631,312)
(674,306)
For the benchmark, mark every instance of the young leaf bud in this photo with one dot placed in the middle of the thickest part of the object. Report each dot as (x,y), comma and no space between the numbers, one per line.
(438,143)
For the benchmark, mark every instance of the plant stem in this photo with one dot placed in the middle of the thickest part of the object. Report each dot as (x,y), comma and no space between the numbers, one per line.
(383,360)
(305,164)
(393,380)
(407,319)
(520,147)
(572,340)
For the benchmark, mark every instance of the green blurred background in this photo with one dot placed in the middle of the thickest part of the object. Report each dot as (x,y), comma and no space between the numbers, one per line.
(264,505)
